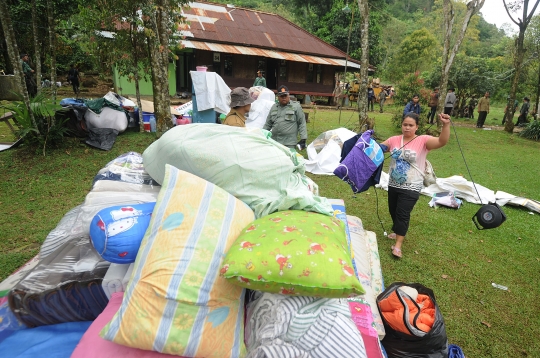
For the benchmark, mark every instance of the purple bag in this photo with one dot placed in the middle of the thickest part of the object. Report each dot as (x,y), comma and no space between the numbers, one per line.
(361,162)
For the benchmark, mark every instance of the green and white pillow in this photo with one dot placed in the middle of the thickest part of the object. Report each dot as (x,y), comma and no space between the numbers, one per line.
(293,252)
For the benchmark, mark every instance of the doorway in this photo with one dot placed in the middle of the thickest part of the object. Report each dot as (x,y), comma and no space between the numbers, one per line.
(271,73)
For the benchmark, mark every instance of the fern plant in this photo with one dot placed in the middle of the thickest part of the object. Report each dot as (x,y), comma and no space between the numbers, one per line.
(531,131)
(47,133)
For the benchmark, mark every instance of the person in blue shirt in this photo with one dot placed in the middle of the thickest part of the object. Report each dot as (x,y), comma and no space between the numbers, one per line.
(413,106)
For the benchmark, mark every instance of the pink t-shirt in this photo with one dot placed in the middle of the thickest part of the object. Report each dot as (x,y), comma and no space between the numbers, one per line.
(408,163)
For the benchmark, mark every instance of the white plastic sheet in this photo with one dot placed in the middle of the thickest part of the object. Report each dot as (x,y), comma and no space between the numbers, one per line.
(464,189)
(324,153)
(211,91)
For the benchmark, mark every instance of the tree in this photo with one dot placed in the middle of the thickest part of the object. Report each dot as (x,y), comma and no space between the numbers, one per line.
(52,47)
(416,52)
(13,52)
(535,44)
(522,23)
(364,63)
(473,7)
(37,47)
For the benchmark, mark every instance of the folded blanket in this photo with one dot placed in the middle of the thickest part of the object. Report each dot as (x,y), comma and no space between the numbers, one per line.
(298,326)
(65,286)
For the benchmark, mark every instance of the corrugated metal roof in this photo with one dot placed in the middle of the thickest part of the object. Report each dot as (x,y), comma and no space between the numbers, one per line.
(254,28)
(254,51)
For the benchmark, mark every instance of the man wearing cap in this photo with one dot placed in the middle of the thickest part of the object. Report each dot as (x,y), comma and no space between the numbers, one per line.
(240,105)
(28,71)
(260,80)
(286,120)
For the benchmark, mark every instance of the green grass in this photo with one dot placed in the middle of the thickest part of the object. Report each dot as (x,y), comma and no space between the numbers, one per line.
(36,191)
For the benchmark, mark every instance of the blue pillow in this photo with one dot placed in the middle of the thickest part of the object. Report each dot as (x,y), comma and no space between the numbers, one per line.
(116,232)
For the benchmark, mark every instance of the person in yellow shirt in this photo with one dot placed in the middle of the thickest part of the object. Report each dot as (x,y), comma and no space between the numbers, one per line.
(483,110)
(240,105)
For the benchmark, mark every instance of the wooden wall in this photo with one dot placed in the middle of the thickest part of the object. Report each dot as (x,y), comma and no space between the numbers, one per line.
(245,68)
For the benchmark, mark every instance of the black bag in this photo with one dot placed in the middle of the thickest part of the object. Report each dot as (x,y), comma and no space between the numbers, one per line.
(433,344)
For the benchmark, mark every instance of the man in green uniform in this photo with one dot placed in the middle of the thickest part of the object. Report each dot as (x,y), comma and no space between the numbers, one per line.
(240,105)
(260,80)
(28,76)
(286,120)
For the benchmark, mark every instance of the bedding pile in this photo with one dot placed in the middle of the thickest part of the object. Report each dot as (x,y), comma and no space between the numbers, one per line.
(165,270)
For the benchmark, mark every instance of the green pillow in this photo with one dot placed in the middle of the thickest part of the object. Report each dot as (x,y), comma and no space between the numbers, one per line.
(293,252)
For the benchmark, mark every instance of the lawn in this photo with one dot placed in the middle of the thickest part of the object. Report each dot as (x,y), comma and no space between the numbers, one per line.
(443,250)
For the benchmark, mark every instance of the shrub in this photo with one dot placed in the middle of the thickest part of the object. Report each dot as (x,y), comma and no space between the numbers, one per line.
(47,133)
(531,131)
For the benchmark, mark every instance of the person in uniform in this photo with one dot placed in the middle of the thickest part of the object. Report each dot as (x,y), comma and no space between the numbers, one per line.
(259,80)
(28,76)
(286,121)
(240,105)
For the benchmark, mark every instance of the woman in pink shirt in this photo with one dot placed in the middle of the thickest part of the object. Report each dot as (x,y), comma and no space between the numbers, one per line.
(408,162)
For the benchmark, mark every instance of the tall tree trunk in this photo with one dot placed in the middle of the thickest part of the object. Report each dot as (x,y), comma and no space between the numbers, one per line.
(537,93)
(52,47)
(13,52)
(522,22)
(518,61)
(135,53)
(364,63)
(159,58)
(37,47)
(5,55)
(473,7)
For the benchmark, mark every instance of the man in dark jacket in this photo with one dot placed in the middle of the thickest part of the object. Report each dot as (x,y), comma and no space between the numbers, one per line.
(412,106)
(523,112)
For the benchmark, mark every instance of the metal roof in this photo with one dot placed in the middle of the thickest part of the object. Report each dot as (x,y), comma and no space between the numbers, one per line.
(249,32)
(253,51)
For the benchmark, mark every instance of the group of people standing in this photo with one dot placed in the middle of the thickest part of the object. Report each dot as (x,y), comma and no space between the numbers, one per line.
(286,119)
(73,77)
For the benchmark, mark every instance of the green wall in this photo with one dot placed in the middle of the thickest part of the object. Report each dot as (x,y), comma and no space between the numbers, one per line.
(126,87)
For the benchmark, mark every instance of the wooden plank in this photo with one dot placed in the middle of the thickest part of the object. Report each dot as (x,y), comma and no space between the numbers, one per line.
(5,118)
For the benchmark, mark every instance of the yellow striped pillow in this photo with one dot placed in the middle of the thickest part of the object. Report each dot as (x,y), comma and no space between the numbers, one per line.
(176,303)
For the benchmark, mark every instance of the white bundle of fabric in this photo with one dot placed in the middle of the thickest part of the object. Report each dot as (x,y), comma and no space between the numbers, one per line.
(281,326)
(211,91)
(324,153)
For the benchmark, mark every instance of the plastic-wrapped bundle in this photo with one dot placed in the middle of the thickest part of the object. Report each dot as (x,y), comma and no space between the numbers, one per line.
(64,287)
(122,182)
(262,173)
(128,168)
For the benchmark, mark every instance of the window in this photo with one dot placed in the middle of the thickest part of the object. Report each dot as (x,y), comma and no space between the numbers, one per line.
(283,70)
(309,77)
(261,65)
(319,73)
(228,66)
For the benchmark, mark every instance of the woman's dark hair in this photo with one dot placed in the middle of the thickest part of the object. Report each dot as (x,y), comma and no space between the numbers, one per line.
(416,95)
(412,115)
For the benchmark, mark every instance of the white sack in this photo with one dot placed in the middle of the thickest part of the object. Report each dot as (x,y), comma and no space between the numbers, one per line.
(108,118)
(258,113)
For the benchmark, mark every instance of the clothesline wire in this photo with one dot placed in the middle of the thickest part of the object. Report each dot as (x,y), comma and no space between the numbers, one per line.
(463,155)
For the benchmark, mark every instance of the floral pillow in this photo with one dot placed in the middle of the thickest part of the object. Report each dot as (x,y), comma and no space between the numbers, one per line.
(293,252)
